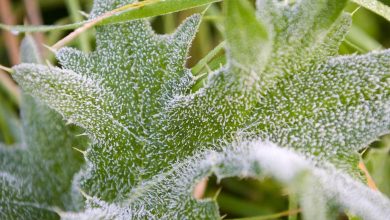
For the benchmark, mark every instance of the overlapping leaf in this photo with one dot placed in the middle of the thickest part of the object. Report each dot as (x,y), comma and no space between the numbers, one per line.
(36,176)
(169,195)
(381,7)
(133,97)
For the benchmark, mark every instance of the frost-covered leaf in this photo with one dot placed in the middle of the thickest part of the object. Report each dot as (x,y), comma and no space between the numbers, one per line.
(248,40)
(36,176)
(304,34)
(377,6)
(143,80)
(335,112)
(169,195)
(152,135)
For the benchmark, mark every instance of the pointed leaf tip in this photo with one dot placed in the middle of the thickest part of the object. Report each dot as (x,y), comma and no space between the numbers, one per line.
(248,39)
(186,32)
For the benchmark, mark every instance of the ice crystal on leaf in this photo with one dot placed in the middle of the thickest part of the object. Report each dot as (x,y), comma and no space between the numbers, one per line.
(153,139)
(168,195)
(36,175)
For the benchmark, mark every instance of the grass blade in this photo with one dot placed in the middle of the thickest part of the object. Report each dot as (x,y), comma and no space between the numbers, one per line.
(148,8)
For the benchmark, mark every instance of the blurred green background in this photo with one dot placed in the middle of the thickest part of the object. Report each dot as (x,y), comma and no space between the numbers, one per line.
(237,198)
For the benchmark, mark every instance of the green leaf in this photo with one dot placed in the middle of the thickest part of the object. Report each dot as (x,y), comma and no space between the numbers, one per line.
(150,9)
(156,198)
(153,138)
(303,34)
(158,7)
(209,57)
(376,6)
(334,111)
(36,176)
(248,41)
(91,100)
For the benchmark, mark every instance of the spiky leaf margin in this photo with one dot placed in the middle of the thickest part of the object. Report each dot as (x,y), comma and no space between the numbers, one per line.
(36,175)
(132,95)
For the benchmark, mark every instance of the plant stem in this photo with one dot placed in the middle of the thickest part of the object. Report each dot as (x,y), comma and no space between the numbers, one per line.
(6,69)
(292,205)
(370,182)
(203,62)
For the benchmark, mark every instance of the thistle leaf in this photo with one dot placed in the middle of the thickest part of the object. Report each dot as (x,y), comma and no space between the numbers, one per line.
(36,175)
(247,37)
(377,6)
(153,138)
(148,76)
(156,197)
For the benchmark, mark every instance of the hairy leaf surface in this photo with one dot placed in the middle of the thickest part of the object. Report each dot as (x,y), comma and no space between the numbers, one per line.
(156,198)
(36,175)
(153,138)
(377,6)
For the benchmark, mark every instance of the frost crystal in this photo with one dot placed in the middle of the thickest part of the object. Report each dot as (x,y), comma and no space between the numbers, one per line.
(36,176)
(153,139)
(156,198)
